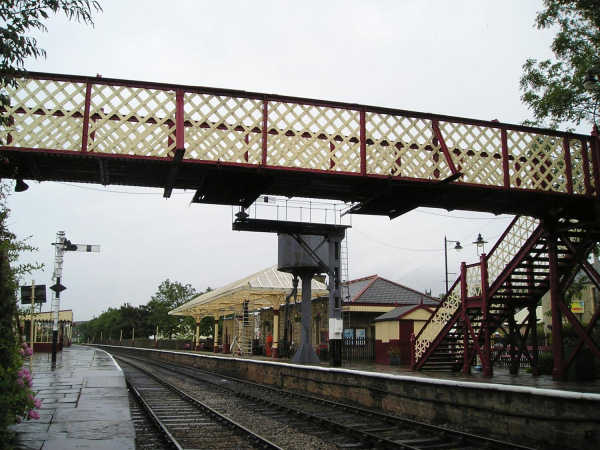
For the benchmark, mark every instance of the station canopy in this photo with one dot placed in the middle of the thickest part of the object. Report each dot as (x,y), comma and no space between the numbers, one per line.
(267,288)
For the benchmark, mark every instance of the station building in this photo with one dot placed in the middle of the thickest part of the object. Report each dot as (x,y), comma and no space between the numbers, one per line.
(43,324)
(259,311)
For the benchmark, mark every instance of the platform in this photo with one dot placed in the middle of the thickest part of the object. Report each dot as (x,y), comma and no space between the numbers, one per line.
(501,375)
(84,403)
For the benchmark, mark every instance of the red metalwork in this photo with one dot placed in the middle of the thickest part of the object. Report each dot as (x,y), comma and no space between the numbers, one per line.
(86,117)
(265,130)
(180,121)
(465,318)
(568,167)
(540,264)
(586,174)
(505,157)
(535,367)
(486,322)
(438,134)
(363,143)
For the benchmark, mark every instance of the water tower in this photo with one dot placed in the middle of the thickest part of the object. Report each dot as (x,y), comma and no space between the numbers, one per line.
(307,249)
(294,259)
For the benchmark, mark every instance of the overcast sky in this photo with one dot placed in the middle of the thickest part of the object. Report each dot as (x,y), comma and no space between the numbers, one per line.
(461,58)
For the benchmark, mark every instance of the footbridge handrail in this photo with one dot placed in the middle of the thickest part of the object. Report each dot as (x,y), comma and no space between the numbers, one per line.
(132,119)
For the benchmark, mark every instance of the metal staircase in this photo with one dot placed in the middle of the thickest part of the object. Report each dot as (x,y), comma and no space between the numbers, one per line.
(515,275)
(243,331)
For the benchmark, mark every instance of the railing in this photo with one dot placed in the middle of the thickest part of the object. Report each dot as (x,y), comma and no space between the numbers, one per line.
(438,320)
(359,349)
(150,120)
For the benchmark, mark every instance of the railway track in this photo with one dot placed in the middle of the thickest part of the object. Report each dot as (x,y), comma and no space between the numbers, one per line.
(184,422)
(341,425)
(148,435)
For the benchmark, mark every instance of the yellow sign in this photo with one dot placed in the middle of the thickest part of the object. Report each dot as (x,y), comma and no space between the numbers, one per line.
(577,307)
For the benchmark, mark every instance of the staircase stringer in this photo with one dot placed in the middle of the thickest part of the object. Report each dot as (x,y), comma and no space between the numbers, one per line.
(517,260)
(440,337)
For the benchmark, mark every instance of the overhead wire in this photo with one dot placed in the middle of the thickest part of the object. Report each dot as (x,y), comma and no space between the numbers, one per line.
(116,192)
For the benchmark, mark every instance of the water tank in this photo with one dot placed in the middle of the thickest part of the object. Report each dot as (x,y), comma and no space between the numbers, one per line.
(293,258)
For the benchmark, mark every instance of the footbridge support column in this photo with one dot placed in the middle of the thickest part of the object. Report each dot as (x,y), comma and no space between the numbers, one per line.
(559,373)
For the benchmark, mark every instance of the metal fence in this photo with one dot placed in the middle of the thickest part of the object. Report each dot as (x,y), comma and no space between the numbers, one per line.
(166,344)
(359,349)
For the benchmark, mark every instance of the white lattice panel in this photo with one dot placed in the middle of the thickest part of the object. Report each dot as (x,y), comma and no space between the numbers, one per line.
(403,146)
(507,248)
(132,121)
(222,128)
(476,152)
(537,162)
(474,281)
(438,321)
(591,169)
(313,137)
(577,166)
(46,120)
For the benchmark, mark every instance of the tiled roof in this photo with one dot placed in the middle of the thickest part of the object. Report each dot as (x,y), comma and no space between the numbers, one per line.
(395,313)
(378,290)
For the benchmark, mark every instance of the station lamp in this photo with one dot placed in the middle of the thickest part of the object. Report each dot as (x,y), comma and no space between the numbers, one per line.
(21,186)
(457,247)
(480,242)
(590,83)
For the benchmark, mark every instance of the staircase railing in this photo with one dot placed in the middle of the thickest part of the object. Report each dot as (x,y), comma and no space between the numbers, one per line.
(507,247)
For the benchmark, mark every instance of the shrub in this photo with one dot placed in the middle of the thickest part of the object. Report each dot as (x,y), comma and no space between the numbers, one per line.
(17,402)
(546,363)
(394,352)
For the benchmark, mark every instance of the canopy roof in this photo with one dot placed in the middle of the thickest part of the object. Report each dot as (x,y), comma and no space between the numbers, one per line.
(268,287)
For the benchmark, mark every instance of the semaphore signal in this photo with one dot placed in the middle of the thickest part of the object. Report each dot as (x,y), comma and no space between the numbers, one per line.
(62,245)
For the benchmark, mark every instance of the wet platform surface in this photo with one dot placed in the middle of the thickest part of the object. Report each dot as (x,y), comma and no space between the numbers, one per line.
(84,403)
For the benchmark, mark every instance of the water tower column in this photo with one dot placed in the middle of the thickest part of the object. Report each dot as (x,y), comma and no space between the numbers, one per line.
(306,353)
(336,323)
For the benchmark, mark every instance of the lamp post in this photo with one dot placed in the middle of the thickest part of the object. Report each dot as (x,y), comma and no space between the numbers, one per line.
(480,243)
(457,247)
(590,83)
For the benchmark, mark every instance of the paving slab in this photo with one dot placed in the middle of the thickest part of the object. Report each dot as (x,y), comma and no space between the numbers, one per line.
(84,403)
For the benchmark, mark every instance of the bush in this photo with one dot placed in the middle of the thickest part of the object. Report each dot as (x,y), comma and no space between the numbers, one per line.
(17,402)
(546,363)
(394,352)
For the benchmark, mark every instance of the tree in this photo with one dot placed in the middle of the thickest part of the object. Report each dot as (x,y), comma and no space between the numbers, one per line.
(112,321)
(168,297)
(207,326)
(17,18)
(554,90)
